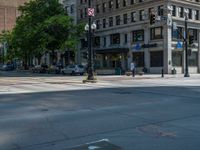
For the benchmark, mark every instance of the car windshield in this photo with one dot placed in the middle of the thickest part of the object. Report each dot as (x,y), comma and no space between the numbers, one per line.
(71,66)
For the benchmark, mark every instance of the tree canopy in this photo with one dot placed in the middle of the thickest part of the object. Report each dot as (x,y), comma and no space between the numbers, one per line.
(43,26)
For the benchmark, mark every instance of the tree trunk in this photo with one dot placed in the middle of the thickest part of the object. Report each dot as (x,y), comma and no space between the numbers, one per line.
(68,56)
(53,57)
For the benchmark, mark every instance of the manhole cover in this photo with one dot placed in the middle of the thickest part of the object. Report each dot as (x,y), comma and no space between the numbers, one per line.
(99,145)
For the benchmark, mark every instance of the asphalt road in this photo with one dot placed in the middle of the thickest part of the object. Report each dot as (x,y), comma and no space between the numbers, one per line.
(56,113)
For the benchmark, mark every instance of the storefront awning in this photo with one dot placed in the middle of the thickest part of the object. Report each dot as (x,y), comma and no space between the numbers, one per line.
(112,50)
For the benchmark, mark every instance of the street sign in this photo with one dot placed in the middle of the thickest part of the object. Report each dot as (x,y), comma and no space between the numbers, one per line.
(91,12)
(137,46)
(179,45)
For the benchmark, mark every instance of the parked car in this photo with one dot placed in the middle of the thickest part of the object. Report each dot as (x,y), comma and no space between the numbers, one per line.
(7,67)
(54,69)
(40,68)
(74,70)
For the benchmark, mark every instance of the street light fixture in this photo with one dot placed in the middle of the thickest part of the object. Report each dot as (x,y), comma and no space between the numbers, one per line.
(90,29)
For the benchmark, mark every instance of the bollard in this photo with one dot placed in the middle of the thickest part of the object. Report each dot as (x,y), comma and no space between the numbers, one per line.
(162,73)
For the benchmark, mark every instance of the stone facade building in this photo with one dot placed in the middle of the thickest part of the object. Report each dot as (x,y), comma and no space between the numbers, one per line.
(9,13)
(124,34)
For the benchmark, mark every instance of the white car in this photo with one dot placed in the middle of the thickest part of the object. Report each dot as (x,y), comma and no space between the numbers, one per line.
(73,70)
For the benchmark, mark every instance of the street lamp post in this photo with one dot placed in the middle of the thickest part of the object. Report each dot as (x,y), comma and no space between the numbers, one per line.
(186,46)
(90,27)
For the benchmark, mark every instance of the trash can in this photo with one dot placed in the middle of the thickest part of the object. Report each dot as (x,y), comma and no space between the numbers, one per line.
(118,71)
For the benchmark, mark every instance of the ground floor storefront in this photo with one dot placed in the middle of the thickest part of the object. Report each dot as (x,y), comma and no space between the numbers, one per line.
(146,60)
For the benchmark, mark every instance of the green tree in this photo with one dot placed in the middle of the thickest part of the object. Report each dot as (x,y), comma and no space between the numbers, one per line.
(6,42)
(43,26)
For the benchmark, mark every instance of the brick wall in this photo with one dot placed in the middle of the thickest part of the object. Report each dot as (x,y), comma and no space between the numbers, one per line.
(9,13)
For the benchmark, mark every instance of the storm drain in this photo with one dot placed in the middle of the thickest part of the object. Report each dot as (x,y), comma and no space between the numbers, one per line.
(99,145)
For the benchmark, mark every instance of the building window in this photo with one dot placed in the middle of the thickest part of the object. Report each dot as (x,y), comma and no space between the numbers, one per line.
(72,9)
(117,20)
(81,13)
(117,4)
(98,8)
(133,17)
(104,41)
(156,33)
(110,4)
(96,41)
(138,58)
(156,59)
(132,2)
(124,3)
(190,14)
(85,12)
(104,23)
(98,24)
(174,10)
(125,38)
(193,59)
(110,21)
(177,58)
(181,12)
(125,18)
(193,33)
(142,15)
(115,39)
(138,36)
(104,7)
(151,11)
(160,10)
(196,14)
(177,34)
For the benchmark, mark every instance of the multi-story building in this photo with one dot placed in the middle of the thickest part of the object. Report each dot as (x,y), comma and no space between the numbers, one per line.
(8,14)
(124,34)
(70,6)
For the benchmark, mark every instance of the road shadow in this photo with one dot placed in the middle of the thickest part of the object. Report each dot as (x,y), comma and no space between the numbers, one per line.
(28,74)
(127,116)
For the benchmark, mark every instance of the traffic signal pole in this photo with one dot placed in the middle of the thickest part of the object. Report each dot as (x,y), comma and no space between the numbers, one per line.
(186,48)
(185,38)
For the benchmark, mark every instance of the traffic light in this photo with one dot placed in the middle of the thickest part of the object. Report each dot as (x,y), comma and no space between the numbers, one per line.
(152,19)
(191,40)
